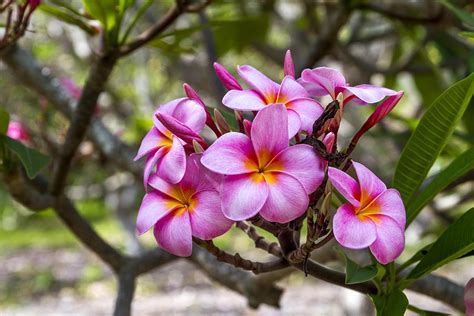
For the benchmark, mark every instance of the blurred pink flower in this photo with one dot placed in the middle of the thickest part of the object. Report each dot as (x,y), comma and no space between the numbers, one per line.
(302,110)
(469,297)
(163,149)
(34,3)
(17,132)
(262,173)
(374,216)
(183,210)
(323,81)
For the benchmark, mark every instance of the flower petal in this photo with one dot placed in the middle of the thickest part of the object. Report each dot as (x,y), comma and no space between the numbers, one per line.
(232,153)
(390,204)
(226,78)
(268,136)
(190,113)
(244,100)
(197,178)
(309,111)
(469,297)
(370,185)
(294,123)
(350,231)
(301,162)
(167,108)
(171,190)
(290,89)
(264,85)
(152,141)
(242,196)
(151,162)
(369,93)
(322,81)
(207,219)
(155,206)
(390,240)
(287,198)
(346,185)
(173,164)
(288,65)
(173,234)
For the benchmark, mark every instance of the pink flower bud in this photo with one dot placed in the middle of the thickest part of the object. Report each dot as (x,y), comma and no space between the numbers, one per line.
(221,122)
(34,3)
(380,112)
(226,78)
(16,131)
(193,95)
(469,297)
(288,66)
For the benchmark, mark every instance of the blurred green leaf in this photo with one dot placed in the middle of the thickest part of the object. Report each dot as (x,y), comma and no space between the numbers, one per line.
(103,11)
(4,120)
(457,240)
(67,17)
(393,304)
(464,16)
(467,34)
(32,160)
(456,169)
(431,136)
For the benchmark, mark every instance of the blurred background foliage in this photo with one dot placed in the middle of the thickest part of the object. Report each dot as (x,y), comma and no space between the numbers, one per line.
(419,46)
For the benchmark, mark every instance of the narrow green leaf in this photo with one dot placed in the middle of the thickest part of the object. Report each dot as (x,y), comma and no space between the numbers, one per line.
(103,10)
(355,273)
(467,34)
(456,241)
(431,136)
(67,17)
(4,120)
(32,160)
(457,168)
(464,16)
(393,304)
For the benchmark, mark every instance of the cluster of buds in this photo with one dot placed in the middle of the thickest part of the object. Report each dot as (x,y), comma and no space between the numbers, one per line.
(275,167)
(17,17)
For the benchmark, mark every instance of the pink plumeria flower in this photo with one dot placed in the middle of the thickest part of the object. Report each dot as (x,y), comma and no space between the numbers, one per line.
(183,210)
(302,110)
(374,216)
(164,150)
(469,297)
(17,132)
(262,173)
(323,81)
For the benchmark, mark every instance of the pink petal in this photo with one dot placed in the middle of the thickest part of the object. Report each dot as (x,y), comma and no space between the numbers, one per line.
(265,86)
(294,123)
(243,100)
(268,135)
(290,89)
(242,196)
(197,177)
(322,81)
(309,111)
(173,234)
(207,219)
(287,198)
(369,93)
(151,162)
(329,141)
(190,113)
(230,154)
(167,108)
(345,185)
(171,190)
(370,185)
(350,231)
(301,162)
(173,164)
(152,141)
(390,204)
(469,297)
(155,206)
(179,129)
(390,240)
(226,78)
(288,66)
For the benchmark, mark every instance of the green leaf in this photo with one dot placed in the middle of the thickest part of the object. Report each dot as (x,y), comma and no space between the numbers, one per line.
(32,160)
(67,17)
(431,136)
(4,120)
(355,273)
(103,10)
(457,240)
(467,34)
(393,304)
(461,165)
(464,16)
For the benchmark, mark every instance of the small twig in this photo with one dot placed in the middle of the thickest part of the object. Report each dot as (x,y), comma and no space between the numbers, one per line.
(260,241)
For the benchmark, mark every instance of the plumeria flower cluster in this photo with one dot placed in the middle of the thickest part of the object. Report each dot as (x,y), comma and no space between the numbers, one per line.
(271,167)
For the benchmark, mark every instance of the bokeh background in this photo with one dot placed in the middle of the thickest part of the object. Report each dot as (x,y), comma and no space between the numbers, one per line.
(410,45)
